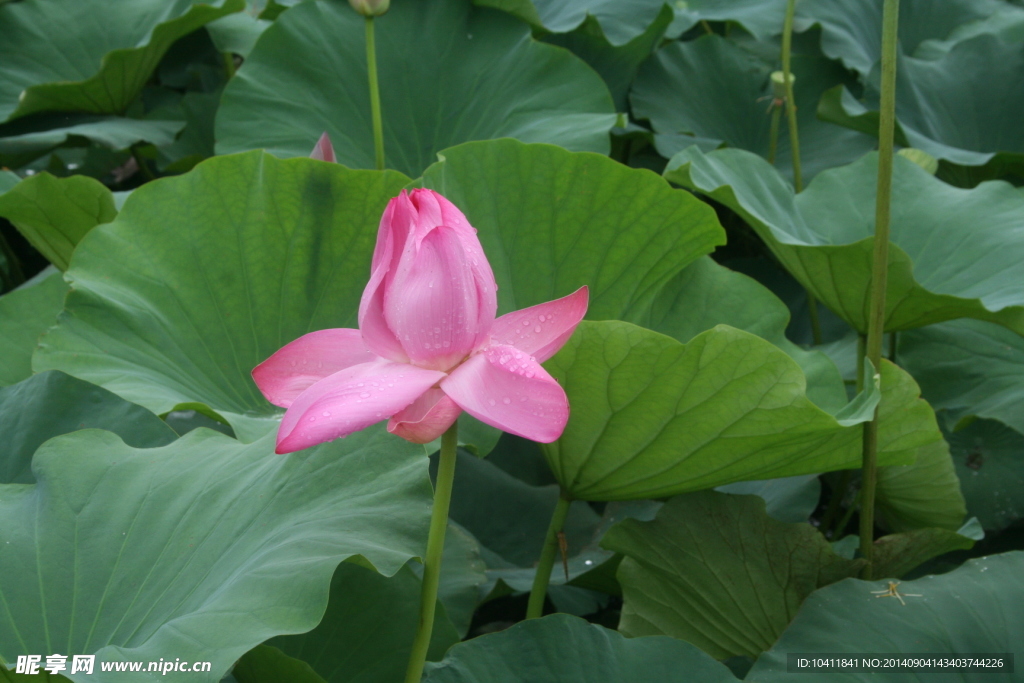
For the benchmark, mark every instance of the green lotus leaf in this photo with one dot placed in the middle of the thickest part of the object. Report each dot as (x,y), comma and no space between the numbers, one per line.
(712,92)
(27,139)
(715,570)
(952,107)
(93,60)
(25,314)
(552,221)
(925,494)
(851,30)
(974,608)
(652,417)
(203,548)
(51,404)
(367,631)
(536,650)
(789,499)
(53,214)
(966,368)
(267,664)
(497,82)
(178,299)
(897,554)
(617,64)
(8,179)
(954,252)
(619,21)
(989,458)
(705,294)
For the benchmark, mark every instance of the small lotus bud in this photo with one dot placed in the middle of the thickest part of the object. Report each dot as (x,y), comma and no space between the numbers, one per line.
(370,8)
(778,79)
(921,158)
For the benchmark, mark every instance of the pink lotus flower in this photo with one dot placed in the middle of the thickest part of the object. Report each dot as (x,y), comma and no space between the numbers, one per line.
(428,345)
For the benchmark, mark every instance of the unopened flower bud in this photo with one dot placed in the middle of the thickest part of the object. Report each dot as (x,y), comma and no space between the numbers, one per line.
(370,8)
(778,79)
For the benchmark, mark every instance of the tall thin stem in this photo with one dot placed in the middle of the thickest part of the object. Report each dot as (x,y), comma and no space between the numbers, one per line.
(535,607)
(773,133)
(435,548)
(879,270)
(787,49)
(371,70)
(794,140)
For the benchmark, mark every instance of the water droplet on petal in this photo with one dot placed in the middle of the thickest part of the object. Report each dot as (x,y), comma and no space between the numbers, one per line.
(326,414)
(537,329)
(491,401)
(506,400)
(365,394)
(542,318)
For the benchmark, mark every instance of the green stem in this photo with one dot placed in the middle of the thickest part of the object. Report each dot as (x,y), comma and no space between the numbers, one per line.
(435,548)
(812,309)
(707,27)
(229,64)
(879,270)
(773,134)
(846,518)
(794,138)
(861,341)
(144,168)
(535,607)
(835,503)
(371,70)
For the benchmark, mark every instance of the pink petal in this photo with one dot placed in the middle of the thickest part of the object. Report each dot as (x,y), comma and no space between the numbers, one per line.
(508,389)
(302,363)
(323,149)
(431,302)
(426,418)
(434,207)
(391,237)
(350,400)
(543,329)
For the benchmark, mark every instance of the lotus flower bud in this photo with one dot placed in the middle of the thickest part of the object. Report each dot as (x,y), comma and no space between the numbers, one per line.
(370,8)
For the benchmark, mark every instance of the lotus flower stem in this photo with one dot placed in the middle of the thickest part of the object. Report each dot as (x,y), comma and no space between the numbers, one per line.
(794,138)
(773,134)
(879,271)
(535,607)
(435,548)
(371,70)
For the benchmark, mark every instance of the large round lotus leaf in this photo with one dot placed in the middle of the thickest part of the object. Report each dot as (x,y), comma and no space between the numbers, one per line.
(923,494)
(989,459)
(622,21)
(203,548)
(652,417)
(966,368)
(712,92)
(955,107)
(705,294)
(619,20)
(851,30)
(366,633)
(617,64)
(552,221)
(715,570)
(51,403)
(53,214)
(448,73)
(569,650)
(975,608)
(203,276)
(24,140)
(87,55)
(25,314)
(955,253)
